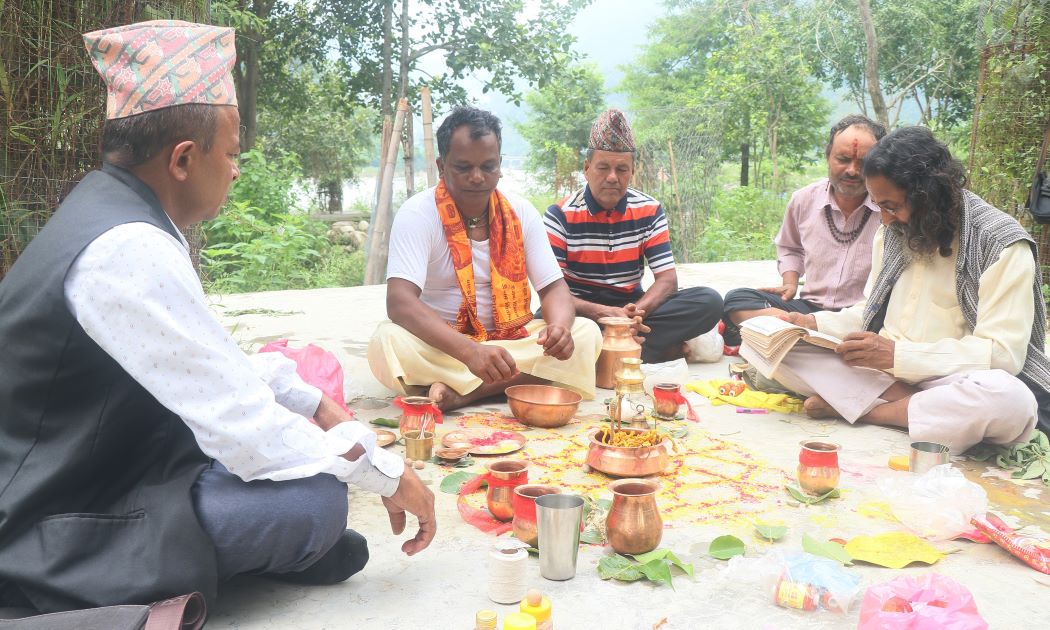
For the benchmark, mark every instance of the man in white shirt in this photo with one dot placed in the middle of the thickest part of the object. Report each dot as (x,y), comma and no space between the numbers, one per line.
(462,256)
(136,434)
(949,342)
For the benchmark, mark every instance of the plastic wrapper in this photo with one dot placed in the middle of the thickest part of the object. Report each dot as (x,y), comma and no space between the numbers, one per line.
(937,505)
(923,602)
(797,580)
(668,372)
(1035,552)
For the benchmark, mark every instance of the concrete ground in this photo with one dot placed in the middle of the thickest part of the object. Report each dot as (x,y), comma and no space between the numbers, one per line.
(444,586)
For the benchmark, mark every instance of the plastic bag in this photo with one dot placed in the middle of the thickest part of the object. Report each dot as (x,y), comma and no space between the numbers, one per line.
(938,504)
(923,602)
(676,371)
(797,580)
(706,348)
(316,366)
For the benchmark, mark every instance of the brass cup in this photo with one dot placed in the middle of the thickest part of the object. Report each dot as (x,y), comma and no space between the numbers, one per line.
(634,525)
(818,478)
(504,476)
(419,448)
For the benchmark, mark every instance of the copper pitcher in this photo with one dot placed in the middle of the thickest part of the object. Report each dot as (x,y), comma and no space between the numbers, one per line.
(503,476)
(617,343)
(524,523)
(634,525)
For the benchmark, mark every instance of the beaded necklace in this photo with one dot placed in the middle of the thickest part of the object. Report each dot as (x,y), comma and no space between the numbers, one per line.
(845,237)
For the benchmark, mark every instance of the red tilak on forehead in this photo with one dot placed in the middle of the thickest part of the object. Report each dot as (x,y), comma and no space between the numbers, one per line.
(854,148)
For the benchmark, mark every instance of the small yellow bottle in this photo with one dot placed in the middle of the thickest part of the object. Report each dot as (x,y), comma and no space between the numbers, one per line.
(539,608)
(519,621)
(485,620)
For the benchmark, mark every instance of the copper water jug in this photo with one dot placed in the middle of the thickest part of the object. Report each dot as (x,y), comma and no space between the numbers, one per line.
(617,343)
(634,525)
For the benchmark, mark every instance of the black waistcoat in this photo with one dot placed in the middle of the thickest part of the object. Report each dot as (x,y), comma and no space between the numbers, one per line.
(95,475)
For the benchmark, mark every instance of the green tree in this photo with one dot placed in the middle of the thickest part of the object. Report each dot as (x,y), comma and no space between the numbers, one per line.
(315,120)
(735,68)
(558,124)
(922,52)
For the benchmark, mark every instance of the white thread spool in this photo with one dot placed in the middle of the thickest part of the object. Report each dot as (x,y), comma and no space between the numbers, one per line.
(507,564)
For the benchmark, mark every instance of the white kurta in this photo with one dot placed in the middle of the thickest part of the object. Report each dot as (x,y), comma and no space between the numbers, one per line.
(135,293)
(969,393)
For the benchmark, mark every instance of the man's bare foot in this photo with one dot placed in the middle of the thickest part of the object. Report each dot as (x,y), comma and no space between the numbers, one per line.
(445,397)
(816,407)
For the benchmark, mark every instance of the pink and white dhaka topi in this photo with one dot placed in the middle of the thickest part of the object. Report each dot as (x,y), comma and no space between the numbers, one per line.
(161,63)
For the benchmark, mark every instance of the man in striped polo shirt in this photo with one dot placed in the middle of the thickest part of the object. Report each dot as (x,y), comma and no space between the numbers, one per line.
(601,235)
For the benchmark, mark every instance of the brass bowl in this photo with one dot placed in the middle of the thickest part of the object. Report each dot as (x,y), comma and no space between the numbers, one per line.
(543,406)
(628,461)
(451,455)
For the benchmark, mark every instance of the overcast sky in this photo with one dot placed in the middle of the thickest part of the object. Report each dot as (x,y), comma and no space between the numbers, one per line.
(608,33)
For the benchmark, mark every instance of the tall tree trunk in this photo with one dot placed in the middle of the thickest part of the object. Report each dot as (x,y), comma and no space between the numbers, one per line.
(408,144)
(745,150)
(246,73)
(388,35)
(871,65)
(334,192)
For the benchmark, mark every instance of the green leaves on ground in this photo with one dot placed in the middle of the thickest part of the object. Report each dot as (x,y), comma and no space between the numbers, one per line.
(455,481)
(770,531)
(725,547)
(1030,460)
(655,566)
(594,515)
(826,549)
(806,499)
(386,422)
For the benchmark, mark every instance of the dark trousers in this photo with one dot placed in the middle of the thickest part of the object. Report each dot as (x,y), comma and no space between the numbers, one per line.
(686,314)
(269,526)
(755,300)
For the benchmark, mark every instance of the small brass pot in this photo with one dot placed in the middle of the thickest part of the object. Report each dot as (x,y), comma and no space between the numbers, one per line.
(504,475)
(634,525)
(524,523)
(665,400)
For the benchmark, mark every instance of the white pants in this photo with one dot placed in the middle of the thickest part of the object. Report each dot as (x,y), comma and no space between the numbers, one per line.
(399,358)
(958,410)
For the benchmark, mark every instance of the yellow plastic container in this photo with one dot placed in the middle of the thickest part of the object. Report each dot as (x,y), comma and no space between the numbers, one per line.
(538,607)
(519,621)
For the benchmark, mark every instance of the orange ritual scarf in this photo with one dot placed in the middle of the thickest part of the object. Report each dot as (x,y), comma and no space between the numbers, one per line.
(511,296)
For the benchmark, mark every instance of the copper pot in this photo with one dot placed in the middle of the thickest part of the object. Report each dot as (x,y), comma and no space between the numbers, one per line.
(543,405)
(628,461)
(524,523)
(617,343)
(634,525)
(665,400)
(818,467)
(504,475)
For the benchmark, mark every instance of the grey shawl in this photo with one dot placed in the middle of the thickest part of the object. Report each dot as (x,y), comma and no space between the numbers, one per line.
(984,233)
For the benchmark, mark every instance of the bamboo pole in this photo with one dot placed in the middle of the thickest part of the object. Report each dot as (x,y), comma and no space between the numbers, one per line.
(428,138)
(409,141)
(375,269)
(677,197)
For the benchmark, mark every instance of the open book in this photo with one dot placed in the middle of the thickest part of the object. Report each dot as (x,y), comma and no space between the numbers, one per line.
(771,339)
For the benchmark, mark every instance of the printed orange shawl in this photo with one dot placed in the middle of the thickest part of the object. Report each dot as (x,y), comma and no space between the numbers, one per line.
(511,296)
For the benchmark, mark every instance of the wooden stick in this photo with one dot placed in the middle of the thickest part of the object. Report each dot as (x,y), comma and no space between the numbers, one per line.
(428,138)
(677,197)
(375,269)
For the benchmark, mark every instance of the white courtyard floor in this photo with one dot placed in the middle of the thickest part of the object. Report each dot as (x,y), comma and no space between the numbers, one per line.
(444,586)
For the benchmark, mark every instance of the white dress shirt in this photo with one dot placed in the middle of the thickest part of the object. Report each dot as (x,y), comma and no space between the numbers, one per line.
(135,293)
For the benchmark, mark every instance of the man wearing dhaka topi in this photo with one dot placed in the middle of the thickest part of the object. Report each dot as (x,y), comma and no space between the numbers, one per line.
(143,455)
(601,235)
(462,256)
